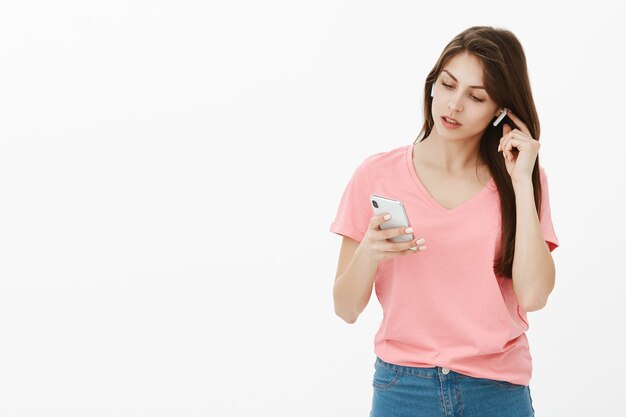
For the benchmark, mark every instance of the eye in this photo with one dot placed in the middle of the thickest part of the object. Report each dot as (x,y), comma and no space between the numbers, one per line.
(449,87)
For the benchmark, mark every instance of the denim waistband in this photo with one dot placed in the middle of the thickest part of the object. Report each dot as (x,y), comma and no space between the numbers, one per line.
(436,372)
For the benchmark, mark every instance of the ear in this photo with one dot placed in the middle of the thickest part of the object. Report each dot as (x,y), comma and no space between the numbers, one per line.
(499,117)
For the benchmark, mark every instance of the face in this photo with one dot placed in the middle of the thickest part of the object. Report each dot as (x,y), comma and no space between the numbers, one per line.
(458,94)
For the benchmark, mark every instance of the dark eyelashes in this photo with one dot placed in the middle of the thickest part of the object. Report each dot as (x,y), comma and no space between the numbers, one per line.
(450,87)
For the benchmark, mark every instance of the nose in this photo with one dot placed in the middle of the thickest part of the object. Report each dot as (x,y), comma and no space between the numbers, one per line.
(454,103)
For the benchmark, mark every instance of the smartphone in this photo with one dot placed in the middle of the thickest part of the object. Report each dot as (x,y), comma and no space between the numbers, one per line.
(398,214)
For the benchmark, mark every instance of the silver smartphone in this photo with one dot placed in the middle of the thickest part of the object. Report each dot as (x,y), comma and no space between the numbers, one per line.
(398,214)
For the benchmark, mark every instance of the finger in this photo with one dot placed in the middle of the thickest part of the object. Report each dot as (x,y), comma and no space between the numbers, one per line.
(520,135)
(390,246)
(505,141)
(511,145)
(418,245)
(415,249)
(505,129)
(418,248)
(504,145)
(396,231)
(518,122)
(504,138)
(506,152)
(391,255)
(376,221)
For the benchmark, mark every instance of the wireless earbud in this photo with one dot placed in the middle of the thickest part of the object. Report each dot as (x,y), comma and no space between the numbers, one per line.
(432,91)
(500,117)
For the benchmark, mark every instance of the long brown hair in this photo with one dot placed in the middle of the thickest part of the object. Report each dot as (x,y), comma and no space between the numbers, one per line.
(506,81)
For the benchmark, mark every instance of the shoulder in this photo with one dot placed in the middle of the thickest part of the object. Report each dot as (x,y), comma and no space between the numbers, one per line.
(381,161)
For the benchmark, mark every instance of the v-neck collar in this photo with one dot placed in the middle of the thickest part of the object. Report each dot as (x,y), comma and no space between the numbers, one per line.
(490,186)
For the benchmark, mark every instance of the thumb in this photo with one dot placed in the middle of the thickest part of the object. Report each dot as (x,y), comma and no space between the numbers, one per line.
(506,129)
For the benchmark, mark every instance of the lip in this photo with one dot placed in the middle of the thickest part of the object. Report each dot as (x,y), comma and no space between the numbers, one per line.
(448,125)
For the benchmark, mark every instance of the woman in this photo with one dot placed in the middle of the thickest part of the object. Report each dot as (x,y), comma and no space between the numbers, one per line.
(452,340)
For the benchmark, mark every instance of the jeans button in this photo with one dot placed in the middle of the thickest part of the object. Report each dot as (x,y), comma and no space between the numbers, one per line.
(445,371)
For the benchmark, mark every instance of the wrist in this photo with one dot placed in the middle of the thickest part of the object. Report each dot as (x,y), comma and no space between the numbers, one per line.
(522,183)
(365,255)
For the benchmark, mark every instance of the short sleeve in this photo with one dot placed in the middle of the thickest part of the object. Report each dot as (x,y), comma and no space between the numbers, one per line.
(354,212)
(545,215)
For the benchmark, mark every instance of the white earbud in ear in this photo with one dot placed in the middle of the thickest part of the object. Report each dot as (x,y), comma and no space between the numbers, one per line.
(432,91)
(500,117)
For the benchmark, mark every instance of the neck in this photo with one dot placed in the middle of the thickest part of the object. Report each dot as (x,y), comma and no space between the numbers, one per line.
(453,156)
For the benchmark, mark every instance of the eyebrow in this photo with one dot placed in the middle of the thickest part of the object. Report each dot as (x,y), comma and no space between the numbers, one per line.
(454,78)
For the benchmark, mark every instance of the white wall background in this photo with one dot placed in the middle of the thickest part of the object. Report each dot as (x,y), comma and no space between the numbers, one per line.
(169,171)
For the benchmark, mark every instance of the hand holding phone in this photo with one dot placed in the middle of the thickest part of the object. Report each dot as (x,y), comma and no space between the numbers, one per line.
(388,238)
(395,208)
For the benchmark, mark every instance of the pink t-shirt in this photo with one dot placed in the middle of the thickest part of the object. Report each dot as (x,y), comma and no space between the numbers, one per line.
(443,306)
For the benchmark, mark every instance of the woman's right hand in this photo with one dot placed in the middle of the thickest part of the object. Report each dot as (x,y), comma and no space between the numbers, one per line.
(377,247)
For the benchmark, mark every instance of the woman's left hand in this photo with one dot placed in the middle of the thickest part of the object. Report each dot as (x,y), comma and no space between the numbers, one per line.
(519,165)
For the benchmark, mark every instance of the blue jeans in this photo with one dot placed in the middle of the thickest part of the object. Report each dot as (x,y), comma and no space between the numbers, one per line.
(439,392)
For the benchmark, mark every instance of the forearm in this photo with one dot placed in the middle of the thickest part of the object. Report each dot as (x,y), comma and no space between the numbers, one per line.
(533,267)
(353,288)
